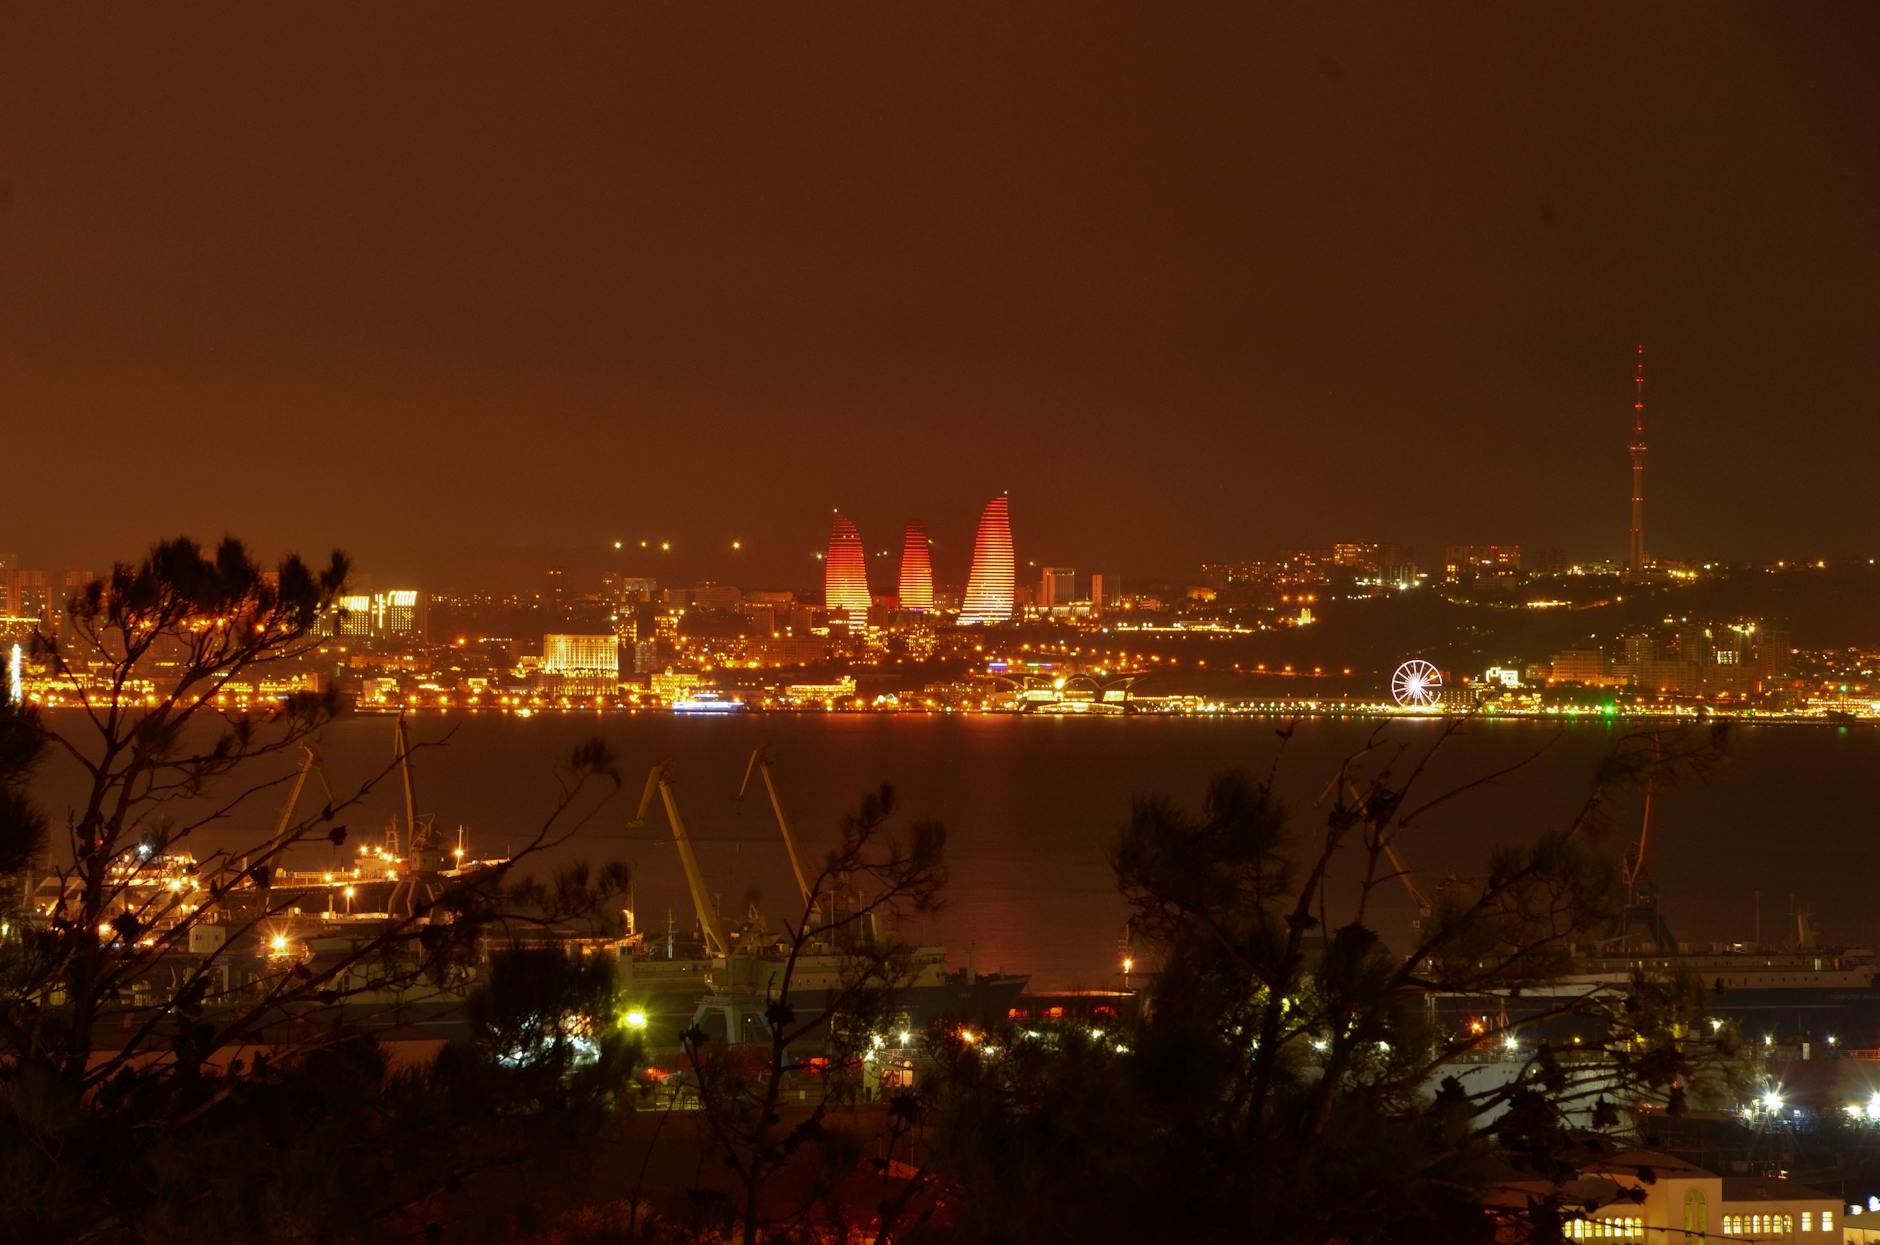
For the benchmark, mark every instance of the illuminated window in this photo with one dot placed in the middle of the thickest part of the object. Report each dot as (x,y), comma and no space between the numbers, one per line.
(1827,1221)
(1696,1217)
(1808,1221)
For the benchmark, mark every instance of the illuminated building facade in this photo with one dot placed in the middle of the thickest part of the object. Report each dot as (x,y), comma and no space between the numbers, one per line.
(399,614)
(354,616)
(577,654)
(916,569)
(580,664)
(991,585)
(845,570)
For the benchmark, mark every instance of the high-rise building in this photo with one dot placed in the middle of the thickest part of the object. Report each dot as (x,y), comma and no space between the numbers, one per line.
(399,612)
(991,585)
(353,616)
(1635,547)
(33,595)
(845,570)
(1462,563)
(1104,591)
(916,568)
(1057,586)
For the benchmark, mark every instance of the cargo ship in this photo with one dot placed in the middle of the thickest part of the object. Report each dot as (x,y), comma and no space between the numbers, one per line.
(1804,991)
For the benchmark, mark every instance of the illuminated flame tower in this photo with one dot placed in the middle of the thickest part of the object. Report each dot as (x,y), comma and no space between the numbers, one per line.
(1635,548)
(845,569)
(916,569)
(990,587)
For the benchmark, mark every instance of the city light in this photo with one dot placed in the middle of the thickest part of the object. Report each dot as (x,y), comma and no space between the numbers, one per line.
(845,573)
(990,585)
(1328,656)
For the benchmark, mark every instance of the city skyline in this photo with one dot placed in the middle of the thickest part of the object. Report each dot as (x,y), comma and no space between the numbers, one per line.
(684,624)
(1259,299)
(844,562)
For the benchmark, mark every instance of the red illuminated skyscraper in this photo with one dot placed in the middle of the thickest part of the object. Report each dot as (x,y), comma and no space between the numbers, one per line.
(990,586)
(845,569)
(916,569)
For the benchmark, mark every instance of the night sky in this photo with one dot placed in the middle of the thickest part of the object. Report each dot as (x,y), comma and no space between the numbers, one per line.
(451,286)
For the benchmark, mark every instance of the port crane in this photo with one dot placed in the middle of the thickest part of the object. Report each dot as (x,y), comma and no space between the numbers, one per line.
(1641,899)
(419,866)
(659,783)
(759,764)
(1398,865)
(309,761)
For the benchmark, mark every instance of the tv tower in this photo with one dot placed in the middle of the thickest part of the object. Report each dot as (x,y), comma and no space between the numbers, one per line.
(1635,548)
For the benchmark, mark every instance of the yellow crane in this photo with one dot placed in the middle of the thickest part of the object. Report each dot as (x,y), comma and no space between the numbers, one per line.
(760,764)
(659,782)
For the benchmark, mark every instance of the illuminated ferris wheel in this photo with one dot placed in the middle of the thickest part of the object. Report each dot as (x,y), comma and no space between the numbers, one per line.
(1415,684)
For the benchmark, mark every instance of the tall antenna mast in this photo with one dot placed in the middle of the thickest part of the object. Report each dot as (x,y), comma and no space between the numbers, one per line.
(1635,548)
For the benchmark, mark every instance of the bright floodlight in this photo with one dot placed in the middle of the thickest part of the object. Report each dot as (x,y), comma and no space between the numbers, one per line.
(1416,684)
(636,1019)
(1772,1100)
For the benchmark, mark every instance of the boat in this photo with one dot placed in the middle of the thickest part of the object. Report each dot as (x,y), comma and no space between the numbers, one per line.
(1806,991)
(708,702)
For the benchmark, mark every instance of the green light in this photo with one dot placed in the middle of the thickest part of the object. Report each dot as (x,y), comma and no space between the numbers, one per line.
(1609,710)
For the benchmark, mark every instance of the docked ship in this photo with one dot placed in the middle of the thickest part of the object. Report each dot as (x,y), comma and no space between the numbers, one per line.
(1802,991)
(242,922)
(239,922)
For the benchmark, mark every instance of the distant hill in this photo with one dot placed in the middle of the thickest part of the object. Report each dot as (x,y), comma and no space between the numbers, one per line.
(1835,607)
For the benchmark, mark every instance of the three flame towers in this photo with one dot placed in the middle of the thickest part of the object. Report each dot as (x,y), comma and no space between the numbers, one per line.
(991,585)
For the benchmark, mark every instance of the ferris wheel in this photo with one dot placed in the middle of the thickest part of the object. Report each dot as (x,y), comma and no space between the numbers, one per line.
(1415,684)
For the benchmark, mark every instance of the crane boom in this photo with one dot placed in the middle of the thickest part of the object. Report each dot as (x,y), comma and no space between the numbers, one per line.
(760,764)
(402,753)
(1636,866)
(659,783)
(293,801)
(1397,862)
